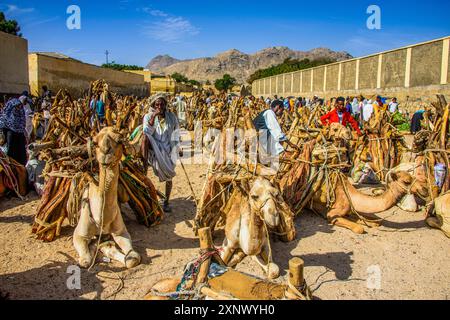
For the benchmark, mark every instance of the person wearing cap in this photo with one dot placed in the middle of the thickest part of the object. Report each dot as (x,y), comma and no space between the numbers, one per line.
(340,115)
(13,126)
(161,127)
(271,135)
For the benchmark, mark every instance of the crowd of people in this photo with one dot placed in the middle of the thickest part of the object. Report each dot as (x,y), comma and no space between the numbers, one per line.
(168,113)
(16,122)
(360,109)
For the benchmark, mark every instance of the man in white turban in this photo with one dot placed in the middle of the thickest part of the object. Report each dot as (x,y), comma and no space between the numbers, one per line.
(161,127)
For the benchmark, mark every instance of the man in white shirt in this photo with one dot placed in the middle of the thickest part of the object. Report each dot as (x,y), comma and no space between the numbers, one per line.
(270,134)
(393,106)
(180,107)
(367,110)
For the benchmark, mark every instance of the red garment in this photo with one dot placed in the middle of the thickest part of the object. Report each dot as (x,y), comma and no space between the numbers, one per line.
(333,117)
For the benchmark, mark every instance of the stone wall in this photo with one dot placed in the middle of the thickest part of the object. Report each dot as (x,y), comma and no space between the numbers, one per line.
(412,73)
(75,76)
(13,64)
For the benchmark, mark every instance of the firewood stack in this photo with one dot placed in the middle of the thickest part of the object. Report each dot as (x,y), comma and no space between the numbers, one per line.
(69,154)
(382,147)
(434,144)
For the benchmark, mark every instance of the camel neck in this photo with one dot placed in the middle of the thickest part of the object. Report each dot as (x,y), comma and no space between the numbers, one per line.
(373,204)
(108,179)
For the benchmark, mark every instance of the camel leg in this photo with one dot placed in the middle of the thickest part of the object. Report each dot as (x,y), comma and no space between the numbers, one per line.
(81,245)
(123,239)
(237,257)
(270,268)
(228,251)
(82,235)
(372,224)
(336,217)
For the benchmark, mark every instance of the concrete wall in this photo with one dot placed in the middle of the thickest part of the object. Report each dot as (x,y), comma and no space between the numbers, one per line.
(13,64)
(75,76)
(416,72)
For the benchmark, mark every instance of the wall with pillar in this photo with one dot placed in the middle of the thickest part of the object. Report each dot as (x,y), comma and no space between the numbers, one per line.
(416,72)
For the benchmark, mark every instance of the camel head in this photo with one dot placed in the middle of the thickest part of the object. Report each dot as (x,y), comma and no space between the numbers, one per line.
(410,183)
(109,146)
(263,197)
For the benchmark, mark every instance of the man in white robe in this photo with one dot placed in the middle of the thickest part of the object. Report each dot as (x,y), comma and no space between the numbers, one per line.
(161,128)
(270,134)
(180,106)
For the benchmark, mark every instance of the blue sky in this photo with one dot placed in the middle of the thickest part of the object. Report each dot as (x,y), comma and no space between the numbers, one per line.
(134,31)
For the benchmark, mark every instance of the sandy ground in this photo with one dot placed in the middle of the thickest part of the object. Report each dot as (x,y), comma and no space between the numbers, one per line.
(411,259)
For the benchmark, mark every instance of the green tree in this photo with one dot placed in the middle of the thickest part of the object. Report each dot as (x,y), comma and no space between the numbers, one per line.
(194,83)
(208,83)
(121,67)
(288,65)
(226,83)
(9,26)
(178,77)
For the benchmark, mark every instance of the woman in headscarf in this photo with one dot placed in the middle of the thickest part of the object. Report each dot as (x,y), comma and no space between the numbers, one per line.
(13,125)
(161,127)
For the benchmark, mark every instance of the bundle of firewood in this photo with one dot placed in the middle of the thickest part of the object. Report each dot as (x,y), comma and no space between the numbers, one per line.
(382,147)
(71,165)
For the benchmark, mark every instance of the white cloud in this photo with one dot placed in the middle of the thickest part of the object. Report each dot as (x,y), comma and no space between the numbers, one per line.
(15,10)
(169,28)
(158,13)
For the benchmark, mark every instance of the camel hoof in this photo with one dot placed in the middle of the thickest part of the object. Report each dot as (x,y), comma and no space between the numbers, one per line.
(132,260)
(358,230)
(433,222)
(84,262)
(162,287)
(273,271)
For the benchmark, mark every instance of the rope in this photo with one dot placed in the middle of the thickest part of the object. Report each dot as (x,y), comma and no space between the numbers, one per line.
(299,291)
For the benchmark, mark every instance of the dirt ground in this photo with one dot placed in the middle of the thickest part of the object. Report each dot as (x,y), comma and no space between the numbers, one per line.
(411,259)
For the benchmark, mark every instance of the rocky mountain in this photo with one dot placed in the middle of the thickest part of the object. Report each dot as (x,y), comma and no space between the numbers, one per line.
(236,63)
(160,62)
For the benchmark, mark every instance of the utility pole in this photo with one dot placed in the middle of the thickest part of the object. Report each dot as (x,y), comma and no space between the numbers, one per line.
(107,54)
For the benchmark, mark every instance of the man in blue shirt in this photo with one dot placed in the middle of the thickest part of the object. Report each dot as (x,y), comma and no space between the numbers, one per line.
(99,108)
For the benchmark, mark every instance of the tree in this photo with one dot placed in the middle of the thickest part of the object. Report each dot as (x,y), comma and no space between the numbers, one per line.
(194,83)
(288,65)
(178,77)
(121,67)
(226,83)
(208,83)
(9,26)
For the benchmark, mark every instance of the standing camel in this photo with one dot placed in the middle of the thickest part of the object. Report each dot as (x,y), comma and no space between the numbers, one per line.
(100,213)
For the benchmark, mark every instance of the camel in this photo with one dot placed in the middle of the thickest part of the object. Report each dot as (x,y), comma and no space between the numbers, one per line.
(367,206)
(247,225)
(439,214)
(100,213)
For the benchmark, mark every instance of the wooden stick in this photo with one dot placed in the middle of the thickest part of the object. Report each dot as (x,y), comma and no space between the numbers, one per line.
(206,243)
(296,277)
